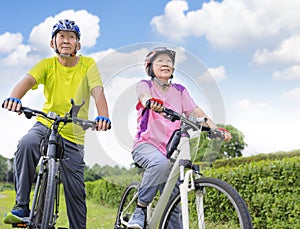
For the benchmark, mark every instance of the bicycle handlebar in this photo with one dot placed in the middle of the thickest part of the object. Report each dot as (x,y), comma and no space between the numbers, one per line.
(197,124)
(85,124)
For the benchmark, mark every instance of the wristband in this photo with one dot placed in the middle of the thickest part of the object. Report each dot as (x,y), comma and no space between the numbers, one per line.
(102,118)
(15,100)
(158,101)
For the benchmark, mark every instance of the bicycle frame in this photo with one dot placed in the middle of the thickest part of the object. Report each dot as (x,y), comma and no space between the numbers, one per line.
(50,161)
(183,153)
(51,154)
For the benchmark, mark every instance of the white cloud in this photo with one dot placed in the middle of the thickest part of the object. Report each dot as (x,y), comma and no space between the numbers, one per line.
(173,23)
(8,41)
(213,75)
(290,73)
(288,52)
(267,128)
(249,106)
(19,57)
(230,23)
(88,23)
(16,53)
(293,94)
(218,73)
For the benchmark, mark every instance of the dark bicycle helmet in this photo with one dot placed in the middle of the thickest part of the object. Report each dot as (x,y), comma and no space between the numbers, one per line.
(154,53)
(66,25)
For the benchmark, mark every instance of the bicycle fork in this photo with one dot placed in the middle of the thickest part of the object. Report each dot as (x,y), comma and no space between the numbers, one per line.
(37,188)
(186,185)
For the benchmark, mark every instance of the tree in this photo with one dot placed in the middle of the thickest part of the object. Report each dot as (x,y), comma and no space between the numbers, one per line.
(212,149)
(234,147)
(6,172)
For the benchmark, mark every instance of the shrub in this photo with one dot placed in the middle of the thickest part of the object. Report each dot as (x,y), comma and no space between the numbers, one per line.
(269,185)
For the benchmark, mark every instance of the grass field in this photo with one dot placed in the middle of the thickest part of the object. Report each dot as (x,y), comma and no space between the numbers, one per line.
(98,217)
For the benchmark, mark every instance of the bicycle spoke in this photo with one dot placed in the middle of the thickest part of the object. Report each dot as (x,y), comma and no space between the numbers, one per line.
(214,204)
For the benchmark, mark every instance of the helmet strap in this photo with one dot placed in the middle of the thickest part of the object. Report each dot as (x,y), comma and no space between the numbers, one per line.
(65,55)
(163,85)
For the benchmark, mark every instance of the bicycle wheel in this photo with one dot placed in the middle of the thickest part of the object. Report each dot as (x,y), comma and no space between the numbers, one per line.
(47,219)
(40,199)
(213,204)
(127,205)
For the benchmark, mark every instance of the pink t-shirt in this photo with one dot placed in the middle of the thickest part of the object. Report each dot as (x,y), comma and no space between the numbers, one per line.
(152,127)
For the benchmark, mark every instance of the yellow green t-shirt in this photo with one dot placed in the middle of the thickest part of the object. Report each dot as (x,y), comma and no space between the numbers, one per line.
(61,84)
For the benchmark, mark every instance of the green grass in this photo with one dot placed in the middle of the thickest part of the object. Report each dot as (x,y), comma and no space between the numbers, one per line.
(98,216)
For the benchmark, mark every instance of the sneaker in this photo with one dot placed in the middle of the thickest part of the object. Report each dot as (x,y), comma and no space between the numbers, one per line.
(20,211)
(10,218)
(138,218)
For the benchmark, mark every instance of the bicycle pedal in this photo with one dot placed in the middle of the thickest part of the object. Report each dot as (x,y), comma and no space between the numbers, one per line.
(19,225)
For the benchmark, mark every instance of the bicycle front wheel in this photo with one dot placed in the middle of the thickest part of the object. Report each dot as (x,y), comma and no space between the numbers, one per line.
(47,220)
(38,208)
(213,204)
(127,205)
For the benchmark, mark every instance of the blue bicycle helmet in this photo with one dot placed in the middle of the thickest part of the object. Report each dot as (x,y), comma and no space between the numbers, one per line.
(66,25)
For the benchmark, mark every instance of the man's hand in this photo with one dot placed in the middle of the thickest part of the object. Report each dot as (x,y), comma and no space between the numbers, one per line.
(12,104)
(103,123)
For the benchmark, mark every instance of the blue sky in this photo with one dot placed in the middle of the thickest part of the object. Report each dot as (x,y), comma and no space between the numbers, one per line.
(250,49)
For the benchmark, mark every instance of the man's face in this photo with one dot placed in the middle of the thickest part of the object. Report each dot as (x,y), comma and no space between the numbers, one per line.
(66,42)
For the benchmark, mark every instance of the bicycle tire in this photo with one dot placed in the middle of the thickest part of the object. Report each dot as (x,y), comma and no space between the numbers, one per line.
(127,204)
(40,201)
(47,219)
(222,205)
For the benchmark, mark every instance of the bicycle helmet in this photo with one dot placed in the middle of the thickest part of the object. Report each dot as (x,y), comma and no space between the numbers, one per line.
(153,54)
(66,25)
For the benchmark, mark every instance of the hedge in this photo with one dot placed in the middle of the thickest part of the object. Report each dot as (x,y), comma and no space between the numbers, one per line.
(270,187)
(271,190)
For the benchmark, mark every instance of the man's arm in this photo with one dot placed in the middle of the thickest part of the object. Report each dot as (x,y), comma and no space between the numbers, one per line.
(18,92)
(101,105)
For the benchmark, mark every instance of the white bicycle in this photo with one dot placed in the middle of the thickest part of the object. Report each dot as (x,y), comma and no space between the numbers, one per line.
(201,202)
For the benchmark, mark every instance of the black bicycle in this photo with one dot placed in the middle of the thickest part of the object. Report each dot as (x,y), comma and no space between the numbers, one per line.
(45,204)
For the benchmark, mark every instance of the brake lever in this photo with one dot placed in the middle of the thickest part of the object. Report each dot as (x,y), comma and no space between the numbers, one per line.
(75,108)
(216,134)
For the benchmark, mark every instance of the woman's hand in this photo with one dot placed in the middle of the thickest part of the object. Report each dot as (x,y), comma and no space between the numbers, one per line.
(156,105)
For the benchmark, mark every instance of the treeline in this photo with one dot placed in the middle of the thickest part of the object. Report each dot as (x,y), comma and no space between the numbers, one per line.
(232,149)
(6,169)
(93,173)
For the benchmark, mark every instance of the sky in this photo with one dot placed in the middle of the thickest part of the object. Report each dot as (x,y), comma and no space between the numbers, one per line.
(239,59)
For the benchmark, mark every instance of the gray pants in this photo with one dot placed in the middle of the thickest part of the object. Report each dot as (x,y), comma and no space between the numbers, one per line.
(156,167)
(72,173)
(156,173)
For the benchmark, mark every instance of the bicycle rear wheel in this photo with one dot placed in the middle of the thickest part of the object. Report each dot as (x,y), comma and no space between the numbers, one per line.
(48,214)
(127,205)
(213,204)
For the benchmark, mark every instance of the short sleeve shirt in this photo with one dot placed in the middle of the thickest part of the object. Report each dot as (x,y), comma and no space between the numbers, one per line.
(61,84)
(153,128)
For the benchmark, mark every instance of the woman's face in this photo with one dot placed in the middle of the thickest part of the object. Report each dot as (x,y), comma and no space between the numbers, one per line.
(163,67)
